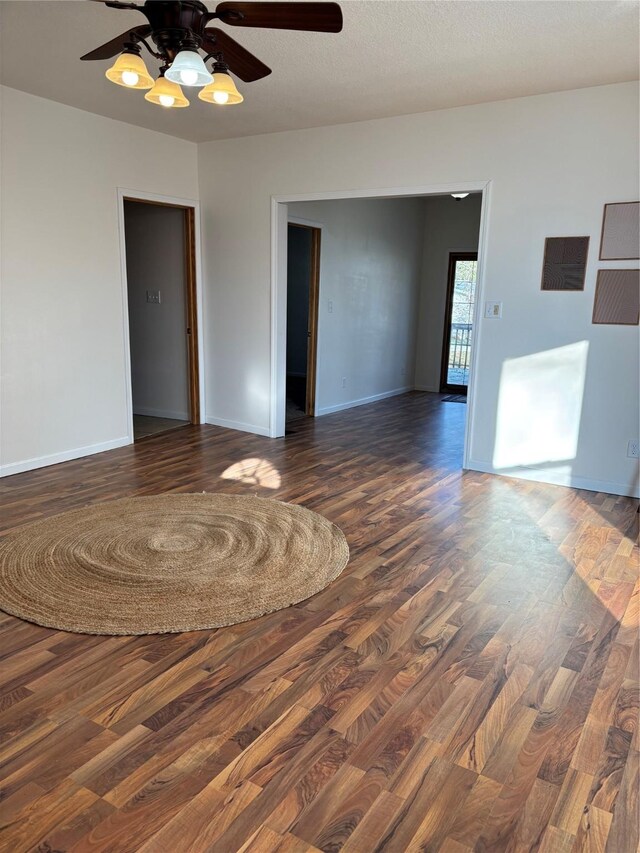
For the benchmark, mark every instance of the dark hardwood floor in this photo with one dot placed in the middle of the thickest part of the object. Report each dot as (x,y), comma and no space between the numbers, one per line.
(469,683)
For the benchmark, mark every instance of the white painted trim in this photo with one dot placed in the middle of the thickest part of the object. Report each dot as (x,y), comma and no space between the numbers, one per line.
(477,325)
(278,390)
(351,404)
(128,393)
(238,425)
(385,192)
(64,456)
(141,195)
(200,309)
(280,218)
(558,478)
(161,413)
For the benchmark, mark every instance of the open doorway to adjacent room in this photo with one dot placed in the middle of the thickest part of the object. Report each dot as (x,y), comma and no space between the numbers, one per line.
(393,310)
(162,315)
(303,285)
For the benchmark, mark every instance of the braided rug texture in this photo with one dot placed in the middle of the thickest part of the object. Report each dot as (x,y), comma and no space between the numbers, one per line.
(167,563)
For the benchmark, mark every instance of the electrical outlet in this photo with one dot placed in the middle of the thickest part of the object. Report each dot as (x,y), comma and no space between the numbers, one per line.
(344,381)
(153,296)
(330,307)
(633,449)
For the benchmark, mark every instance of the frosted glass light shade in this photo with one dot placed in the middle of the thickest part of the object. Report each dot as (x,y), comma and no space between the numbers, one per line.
(188,69)
(130,71)
(221,91)
(459,195)
(166,93)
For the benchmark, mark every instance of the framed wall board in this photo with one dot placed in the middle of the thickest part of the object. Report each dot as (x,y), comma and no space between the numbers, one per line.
(620,239)
(617,299)
(565,263)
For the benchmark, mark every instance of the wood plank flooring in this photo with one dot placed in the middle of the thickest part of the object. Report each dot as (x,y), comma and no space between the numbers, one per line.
(469,683)
(146,425)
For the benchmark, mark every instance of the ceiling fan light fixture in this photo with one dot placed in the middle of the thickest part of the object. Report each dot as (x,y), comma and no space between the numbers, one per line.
(166,93)
(176,32)
(130,71)
(459,195)
(188,69)
(221,91)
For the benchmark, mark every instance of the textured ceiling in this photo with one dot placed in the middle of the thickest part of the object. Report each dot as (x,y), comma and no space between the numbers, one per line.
(391,58)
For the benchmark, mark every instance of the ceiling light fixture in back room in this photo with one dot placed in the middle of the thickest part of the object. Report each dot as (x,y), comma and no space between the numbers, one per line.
(179,31)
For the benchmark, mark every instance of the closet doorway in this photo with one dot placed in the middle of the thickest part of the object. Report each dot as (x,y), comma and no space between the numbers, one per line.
(162,315)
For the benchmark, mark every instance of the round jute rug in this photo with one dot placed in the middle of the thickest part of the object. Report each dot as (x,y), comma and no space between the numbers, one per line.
(167,563)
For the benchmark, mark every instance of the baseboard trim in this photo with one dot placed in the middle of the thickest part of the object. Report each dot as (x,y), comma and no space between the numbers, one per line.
(65,456)
(237,425)
(328,410)
(559,478)
(161,413)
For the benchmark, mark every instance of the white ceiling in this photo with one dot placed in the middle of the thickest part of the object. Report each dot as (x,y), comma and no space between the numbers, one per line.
(393,57)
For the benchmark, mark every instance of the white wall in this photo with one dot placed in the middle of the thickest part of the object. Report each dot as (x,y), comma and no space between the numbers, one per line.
(63,354)
(370,266)
(553,162)
(450,226)
(155,238)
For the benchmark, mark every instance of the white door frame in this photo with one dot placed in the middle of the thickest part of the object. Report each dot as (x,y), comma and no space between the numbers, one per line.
(279,222)
(139,195)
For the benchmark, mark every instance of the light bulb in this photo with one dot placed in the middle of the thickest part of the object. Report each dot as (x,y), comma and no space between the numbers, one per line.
(167,100)
(130,78)
(188,76)
(221,97)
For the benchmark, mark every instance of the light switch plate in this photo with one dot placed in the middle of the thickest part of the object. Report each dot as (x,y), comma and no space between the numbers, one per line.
(493,310)
(153,296)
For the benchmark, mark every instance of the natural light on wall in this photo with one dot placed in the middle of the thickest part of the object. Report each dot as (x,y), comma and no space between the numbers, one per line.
(540,406)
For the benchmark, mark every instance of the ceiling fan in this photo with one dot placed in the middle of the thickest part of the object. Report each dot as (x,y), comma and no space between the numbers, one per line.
(179,30)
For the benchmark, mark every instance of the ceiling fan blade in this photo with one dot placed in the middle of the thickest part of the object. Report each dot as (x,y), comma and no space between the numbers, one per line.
(116,45)
(247,66)
(313,17)
(116,4)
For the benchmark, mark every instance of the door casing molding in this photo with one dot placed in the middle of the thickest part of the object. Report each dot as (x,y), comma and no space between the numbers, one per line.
(124,194)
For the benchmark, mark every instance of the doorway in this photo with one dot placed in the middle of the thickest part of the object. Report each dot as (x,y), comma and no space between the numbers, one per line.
(458,322)
(279,223)
(162,315)
(303,286)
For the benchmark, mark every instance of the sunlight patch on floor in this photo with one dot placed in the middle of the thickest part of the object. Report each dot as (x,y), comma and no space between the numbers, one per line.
(254,472)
